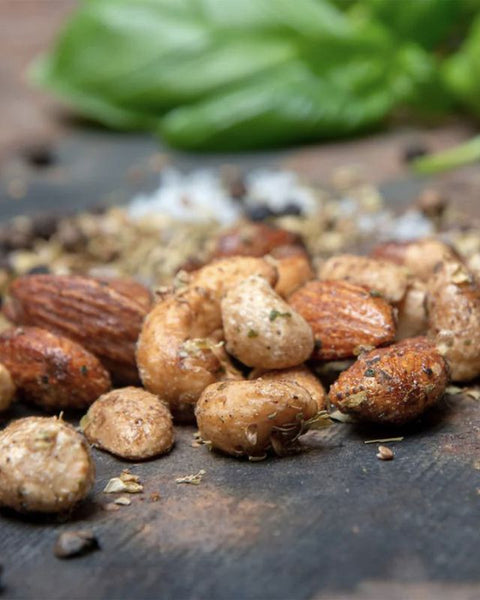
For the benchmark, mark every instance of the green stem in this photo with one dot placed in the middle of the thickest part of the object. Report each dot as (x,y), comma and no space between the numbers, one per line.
(460,155)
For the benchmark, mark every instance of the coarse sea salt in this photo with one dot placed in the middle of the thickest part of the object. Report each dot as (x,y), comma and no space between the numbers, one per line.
(201,196)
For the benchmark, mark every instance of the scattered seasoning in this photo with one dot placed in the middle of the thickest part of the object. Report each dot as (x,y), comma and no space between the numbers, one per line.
(84,370)
(192,479)
(274,314)
(122,501)
(369,373)
(198,441)
(361,349)
(385,440)
(252,333)
(257,458)
(75,543)
(127,476)
(340,417)
(154,497)
(375,294)
(475,394)
(414,150)
(110,507)
(117,484)
(258,212)
(453,390)
(384,453)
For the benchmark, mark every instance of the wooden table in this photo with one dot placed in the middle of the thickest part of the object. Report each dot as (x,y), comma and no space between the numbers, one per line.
(333,522)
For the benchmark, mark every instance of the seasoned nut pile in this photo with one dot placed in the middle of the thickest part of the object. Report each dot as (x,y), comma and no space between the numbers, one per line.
(236,341)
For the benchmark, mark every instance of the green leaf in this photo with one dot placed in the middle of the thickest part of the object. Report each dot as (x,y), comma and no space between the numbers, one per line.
(462,71)
(426,22)
(230,74)
(460,155)
(289,105)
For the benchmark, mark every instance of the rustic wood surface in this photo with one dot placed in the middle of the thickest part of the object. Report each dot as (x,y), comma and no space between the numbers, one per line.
(331,523)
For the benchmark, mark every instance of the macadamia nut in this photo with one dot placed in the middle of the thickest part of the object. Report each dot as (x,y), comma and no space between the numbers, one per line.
(130,423)
(261,329)
(45,465)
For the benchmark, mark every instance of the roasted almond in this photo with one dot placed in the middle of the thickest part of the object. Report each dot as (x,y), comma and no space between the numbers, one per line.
(419,257)
(106,319)
(131,289)
(345,318)
(52,371)
(252,239)
(392,385)
(382,276)
(453,309)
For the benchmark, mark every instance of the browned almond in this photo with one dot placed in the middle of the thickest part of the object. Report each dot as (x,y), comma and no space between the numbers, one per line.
(252,239)
(382,276)
(92,312)
(392,385)
(420,257)
(131,289)
(52,371)
(345,318)
(453,309)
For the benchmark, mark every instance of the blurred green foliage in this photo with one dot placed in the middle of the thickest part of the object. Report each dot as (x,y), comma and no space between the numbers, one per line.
(238,74)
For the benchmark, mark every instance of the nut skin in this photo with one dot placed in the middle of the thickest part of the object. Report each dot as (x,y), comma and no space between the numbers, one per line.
(294,268)
(89,311)
(261,329)
(177,352)
(300,375)
(50,370)
(252,239)
(392,385)
(344,318)
(453,309)
(7,388)
(131,289)
(240,417)
(419,257)
(45,466)
(385,277)
(130,423)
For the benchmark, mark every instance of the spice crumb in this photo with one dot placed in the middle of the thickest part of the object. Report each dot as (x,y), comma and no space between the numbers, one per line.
(192,479)
(75,543)
(110,507)
(122,501)
(125,483)
(384,440)
(385,453)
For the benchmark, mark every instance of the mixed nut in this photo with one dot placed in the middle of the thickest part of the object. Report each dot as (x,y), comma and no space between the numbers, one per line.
(235,344)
